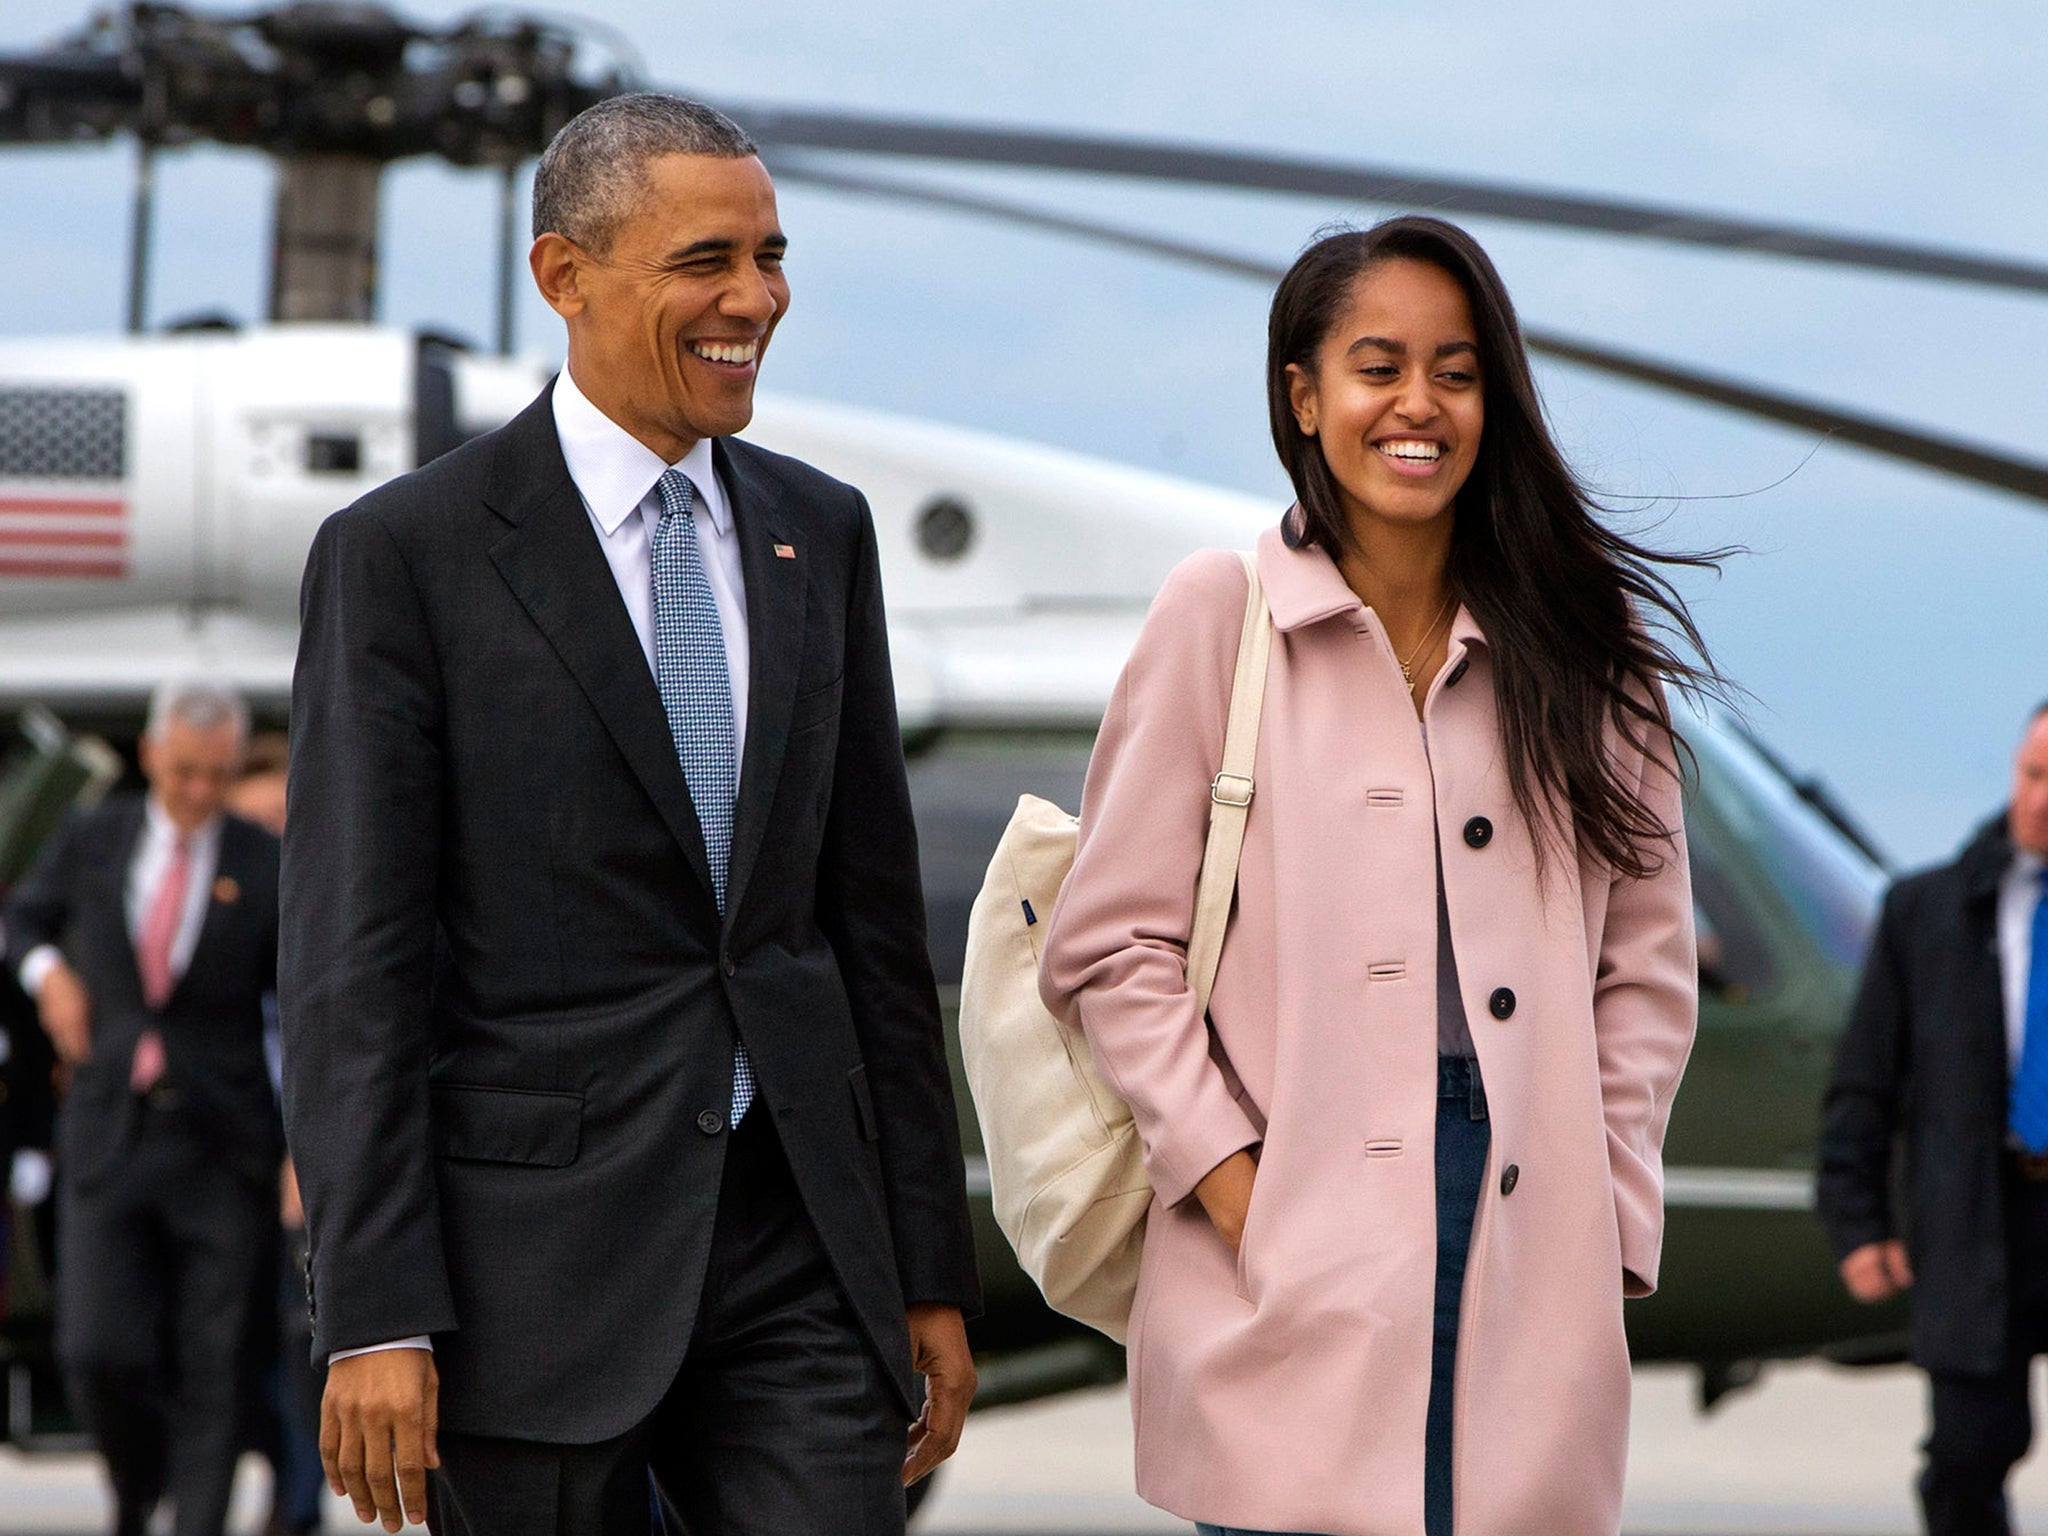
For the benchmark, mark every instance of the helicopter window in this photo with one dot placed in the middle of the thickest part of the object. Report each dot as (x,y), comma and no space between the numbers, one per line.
(945,528)
(1832,884)
(334,453)
(1735,962)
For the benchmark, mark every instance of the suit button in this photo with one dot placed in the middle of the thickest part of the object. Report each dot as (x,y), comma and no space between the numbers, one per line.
(711,1122)
(1478,832)
(1502,1003)
(1509,1178)
(1457,672)
(725,963)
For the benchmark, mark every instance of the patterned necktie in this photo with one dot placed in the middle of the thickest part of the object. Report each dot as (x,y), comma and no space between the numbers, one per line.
(2029,1105)
(696,694)
(160,924)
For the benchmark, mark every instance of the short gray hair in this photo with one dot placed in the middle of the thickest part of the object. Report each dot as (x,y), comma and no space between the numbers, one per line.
(196,703)
(591,171)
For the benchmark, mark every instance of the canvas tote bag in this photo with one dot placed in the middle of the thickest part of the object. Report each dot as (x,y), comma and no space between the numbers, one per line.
(1065,1166)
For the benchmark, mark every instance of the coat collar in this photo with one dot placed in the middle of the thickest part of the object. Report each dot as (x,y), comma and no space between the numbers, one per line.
(126,819)
(1985,859)
(551,560)
(1303,587)
(614,470)
(238,840)
(527,469)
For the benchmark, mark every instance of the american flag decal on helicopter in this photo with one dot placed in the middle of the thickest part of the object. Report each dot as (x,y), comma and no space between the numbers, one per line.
(63,472)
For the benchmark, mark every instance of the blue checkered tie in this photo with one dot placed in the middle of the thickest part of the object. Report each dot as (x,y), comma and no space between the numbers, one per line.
(2029,1107)
(696,694)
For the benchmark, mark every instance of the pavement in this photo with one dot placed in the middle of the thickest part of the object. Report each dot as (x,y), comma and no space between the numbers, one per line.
(1811,1451)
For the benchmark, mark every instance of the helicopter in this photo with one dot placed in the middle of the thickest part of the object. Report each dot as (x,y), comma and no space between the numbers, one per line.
(157,494)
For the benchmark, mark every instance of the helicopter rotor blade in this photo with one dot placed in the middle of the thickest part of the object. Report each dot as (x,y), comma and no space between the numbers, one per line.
(437,99)
(1157,160)
(1893,440)
(1964,461)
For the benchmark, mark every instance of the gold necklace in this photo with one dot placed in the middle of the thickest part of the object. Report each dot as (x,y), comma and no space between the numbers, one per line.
(1407,667)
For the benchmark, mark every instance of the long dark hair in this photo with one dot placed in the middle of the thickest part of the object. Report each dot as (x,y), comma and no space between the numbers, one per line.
(1565,601)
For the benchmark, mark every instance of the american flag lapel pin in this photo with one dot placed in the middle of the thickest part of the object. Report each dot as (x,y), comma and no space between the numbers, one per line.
(785,551)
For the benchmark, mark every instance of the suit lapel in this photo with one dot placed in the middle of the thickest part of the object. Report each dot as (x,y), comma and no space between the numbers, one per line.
(776,611)
(551,559)
(1983,866)
(127,838)
(223,892)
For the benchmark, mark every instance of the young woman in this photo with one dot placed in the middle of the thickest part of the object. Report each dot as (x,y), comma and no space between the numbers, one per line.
(1375,1291)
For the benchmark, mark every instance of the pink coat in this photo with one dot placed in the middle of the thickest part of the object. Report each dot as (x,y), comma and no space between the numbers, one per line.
(1286,1389)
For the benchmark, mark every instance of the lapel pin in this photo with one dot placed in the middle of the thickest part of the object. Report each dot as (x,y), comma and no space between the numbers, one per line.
(785,551)
(227,890)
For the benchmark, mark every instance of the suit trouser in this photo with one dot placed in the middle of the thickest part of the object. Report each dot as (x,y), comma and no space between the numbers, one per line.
(1983,1425)
(158,1269)
(781,1421)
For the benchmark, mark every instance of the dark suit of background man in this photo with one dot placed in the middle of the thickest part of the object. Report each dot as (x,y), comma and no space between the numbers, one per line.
(147,933)
(621,1087)
(1946,1054)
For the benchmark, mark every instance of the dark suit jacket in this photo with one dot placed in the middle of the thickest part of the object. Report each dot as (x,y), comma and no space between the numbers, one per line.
(509,1002)
(212,1025)
(1923,1067)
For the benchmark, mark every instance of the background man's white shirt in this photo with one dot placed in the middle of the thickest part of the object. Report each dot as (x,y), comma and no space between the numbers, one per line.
(2018,894)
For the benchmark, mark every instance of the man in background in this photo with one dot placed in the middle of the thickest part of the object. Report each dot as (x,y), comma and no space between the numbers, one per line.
(147,934)
(1946,1055)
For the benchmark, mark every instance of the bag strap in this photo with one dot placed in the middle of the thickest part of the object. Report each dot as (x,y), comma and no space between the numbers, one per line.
(1230,792)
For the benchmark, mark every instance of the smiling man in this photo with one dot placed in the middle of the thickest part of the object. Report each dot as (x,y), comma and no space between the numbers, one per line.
(613,1062)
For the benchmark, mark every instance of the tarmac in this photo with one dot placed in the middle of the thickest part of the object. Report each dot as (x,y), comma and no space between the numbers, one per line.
(1811,1451)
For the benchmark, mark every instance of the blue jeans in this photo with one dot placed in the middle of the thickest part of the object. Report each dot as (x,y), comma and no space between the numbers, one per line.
(1462,1138)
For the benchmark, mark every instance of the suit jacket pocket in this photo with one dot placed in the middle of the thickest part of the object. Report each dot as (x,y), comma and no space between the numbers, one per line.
(817,706)
(507,1125)
(863,1103)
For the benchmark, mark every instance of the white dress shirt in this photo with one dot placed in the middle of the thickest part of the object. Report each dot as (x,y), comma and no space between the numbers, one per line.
(2018,894)
(616,475)
(146,870)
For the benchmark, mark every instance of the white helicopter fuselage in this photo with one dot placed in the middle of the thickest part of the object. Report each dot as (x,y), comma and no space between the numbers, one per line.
(158,495)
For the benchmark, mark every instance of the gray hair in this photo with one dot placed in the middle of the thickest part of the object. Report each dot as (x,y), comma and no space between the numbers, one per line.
(592,170)
(201,705)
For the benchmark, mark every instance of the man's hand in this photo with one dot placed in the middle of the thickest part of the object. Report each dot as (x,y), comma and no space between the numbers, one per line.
(1877,1271)
(1226,1194)
(291,1213)
(378,1422)
(66,1009)
(938,1348)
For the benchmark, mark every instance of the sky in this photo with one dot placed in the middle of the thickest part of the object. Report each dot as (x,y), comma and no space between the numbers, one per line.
(1889,625)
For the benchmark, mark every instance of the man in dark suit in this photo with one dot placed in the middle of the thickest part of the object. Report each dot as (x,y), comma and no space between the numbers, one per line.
(1946,1057)
(147,933)
(614,1072)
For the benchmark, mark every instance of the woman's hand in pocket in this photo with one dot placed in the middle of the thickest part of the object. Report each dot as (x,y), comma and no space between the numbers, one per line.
(1226,1194)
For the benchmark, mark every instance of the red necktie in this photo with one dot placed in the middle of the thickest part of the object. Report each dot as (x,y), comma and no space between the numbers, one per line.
(153,960)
